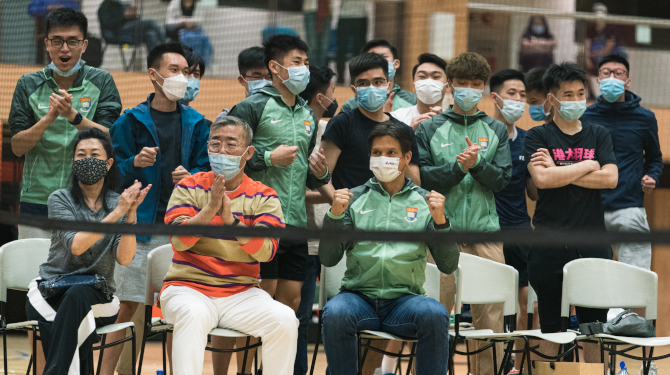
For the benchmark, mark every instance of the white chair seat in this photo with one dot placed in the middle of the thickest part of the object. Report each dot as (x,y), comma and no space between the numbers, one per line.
(113,328)
(224,332)
(22,325)
(558,338)
(641,341)
(467,326)
(472,332)
(378,335)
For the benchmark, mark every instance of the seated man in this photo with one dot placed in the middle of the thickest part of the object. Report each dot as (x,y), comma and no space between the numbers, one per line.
(202,290)
(383,291)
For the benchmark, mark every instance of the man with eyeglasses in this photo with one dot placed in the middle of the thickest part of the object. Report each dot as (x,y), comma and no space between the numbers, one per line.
(634,132)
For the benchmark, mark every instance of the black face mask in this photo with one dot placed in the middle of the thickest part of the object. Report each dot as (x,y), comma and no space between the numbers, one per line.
(330,111)
(89,170)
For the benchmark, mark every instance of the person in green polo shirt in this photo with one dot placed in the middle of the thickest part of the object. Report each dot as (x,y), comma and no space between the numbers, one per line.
(51,106)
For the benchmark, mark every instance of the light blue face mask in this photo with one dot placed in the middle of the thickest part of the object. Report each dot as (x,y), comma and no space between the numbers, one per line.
(226,165)
(298,78)
(70,72)
(612,89)
(537,112)
(571,111)
(254,86)
(192,90)
(467,98)
(391,71)
(372,98)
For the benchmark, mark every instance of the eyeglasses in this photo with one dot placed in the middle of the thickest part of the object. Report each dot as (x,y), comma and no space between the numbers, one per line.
(618,73)
(375,83)
(72,43)
(230,146)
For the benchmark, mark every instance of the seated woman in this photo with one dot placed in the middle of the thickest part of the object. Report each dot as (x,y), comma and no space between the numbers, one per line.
(68,315)
(382,289)
(183,24)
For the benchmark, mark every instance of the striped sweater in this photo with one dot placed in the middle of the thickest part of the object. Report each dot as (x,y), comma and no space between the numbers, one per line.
(221,267)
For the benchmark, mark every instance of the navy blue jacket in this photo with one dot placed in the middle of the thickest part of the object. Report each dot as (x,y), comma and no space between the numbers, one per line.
(634,134)
(135,130)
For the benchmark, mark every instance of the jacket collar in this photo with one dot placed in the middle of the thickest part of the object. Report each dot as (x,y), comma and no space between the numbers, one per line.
(461,119)
(631,102)
(47,75)
(142,112)
(376,186)
(272,91)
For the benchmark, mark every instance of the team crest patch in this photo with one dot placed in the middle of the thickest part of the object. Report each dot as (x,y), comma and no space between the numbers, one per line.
(308,127)
(411,214)
(85,104)
(484,143)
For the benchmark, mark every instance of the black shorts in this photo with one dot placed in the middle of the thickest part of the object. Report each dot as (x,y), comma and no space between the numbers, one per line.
(545,274)
(517,257)
(290,262)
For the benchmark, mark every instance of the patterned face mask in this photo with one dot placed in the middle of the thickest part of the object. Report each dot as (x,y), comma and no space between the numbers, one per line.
(89,170)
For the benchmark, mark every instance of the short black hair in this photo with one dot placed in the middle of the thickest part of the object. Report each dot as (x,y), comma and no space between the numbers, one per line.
(393,129)
(193,59)
(534,80)
(614,58)
(67,17)
(498,80)
(430,58)
(251,58)
(366,61)
(563,72)
(319,81)
(374,43)
(155,57)
(277,47)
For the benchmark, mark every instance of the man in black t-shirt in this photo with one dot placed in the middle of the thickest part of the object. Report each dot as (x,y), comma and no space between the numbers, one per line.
(569,162)
(345,140)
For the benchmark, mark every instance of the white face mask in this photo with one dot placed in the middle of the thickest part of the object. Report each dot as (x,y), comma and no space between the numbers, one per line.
(384,168)
(512,110)
(174,87)
(429,91)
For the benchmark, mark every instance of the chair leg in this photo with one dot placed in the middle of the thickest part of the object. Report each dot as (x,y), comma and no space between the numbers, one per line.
(316,345)
(365,353)
(527,351)
(256,362)
(467,356)
(102,352)
(4,348)
(246,354)
(34,351)
(398,367)
(452,350)
(143,345)
(164,339)
(645,365)
(134,347)
(495,359)
(411,360)
(602,355)
(123,58)
(359,361)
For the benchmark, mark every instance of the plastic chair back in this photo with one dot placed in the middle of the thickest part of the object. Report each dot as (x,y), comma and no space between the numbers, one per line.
(432,283)
(485,281)
(603,283)
(20,263)
(532,298)
(158,264)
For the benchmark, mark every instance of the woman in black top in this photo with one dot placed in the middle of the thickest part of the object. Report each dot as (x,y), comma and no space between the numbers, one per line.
(537,45)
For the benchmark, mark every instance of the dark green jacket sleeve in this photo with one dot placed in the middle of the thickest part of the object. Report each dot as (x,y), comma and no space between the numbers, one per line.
(109,104)
(444,253)
(246,110)
(496,174)
(435,177)
(350,104)
(21,116)
(332,251)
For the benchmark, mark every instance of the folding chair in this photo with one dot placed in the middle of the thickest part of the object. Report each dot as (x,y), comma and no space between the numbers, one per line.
(482,281)
(19,265)
(611,285)
(158,263)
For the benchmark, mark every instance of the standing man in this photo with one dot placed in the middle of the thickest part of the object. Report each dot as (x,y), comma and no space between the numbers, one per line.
(254,73)
(508,93)
(536,96)
(465,156)
(399,97)
(634,133)
(284,137)
(158,142)
(430,84)
(570,162)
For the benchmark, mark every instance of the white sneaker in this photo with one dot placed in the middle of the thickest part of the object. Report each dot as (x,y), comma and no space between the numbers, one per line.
(653,369)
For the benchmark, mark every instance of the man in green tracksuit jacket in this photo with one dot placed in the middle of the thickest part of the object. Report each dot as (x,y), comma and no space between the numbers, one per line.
(284,136)
(382,289)
(51,106)
(465,155)
(401,98)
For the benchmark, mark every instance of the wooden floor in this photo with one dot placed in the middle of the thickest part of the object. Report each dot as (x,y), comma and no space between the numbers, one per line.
(19,354)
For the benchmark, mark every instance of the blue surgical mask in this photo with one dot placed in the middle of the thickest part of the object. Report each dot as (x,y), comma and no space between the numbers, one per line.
(254,86)
(70,72)
(538,29)
(537,112)
(391,71)
(298,78)
(512,110)
(571,111)
(467,98)
(226,165)
(372,98)
(192,91)
(612,89)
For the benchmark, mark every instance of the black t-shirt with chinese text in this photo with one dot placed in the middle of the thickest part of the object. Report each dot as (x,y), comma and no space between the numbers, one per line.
(349,131)
(571,206)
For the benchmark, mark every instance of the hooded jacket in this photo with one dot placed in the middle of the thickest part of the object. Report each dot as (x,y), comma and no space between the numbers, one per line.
(402,99)
(634,132)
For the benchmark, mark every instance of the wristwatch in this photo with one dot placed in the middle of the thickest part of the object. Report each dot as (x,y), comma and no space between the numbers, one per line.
(77,119)
(237,221)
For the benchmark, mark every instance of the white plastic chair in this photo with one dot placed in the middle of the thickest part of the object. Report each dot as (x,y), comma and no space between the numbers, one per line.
(611,285)
(158,264)
(19,265)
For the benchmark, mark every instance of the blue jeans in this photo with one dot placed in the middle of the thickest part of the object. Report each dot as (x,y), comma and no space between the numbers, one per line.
(304,313)
(410,316)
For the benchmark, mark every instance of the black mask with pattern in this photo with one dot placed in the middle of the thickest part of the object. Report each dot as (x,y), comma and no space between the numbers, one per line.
(89,170)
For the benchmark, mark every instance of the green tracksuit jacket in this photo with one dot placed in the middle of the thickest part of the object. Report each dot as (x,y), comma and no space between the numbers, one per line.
(48,165)
(386,270)
(274,124)
(469,204)
(402,99)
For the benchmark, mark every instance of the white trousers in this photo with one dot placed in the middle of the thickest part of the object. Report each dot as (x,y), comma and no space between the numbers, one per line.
(252,312)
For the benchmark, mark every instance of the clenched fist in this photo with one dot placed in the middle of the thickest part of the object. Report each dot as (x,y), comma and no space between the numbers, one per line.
(146,157)
(436,206)
(340,201)
(284,155)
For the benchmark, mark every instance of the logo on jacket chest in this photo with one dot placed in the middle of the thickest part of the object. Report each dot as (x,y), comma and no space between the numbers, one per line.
(411,214)
(484,143)
(308,127)
(85,104)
